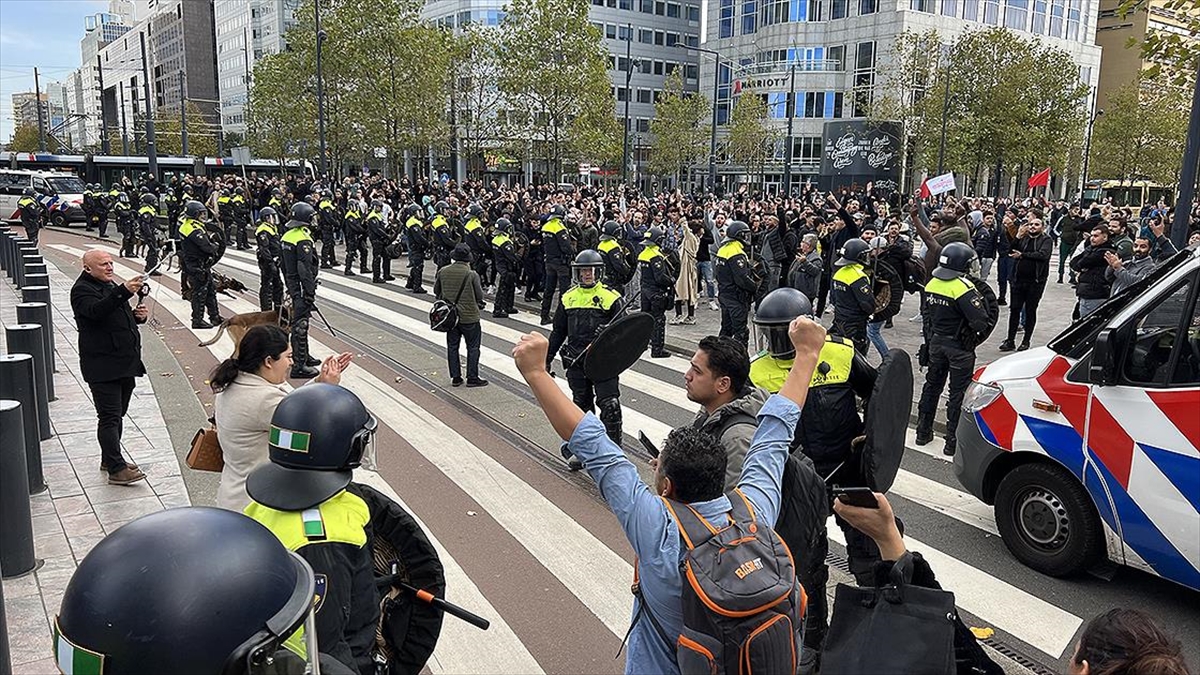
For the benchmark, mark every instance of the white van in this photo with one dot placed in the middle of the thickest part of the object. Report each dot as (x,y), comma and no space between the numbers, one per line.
(62,194)
(1090,447)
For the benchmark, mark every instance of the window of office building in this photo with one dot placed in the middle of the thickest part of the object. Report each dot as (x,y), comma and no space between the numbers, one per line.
(691,72)
(1057,12)
(624,33)
(672,39)
(658,67)
(644,95)
(1016,14)
(1074,11)
(773,12)
(991,12)
(725,21)
(646,66)
(816,10)
(807,149)
(1039,17)
(622,94)
(922,5)
(610,31)
(864,78)
(660,8)
(749,16)
(970,10)
(660,38)
(645,36)
(693,13)
(673,10)
(776,106)
(868,6)
(836,56)
(950,8)
(646,6)
(837,9)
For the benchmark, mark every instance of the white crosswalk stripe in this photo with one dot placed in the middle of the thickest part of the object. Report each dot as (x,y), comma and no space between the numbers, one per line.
(556,540)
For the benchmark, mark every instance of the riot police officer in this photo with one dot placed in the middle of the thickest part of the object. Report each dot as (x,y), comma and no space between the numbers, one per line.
(100,210)
(171,201)
(355,233)
(504,253)
(418,247)
(226,213)
(89,200)
(197,254)
(31,214)
(377,232)
(205,590)
(617,270)
(477,240)
(736,282)
(445,237)
(851,294)
(147,219)
(319,435)
(583,311)
(241,216)
(558,251)
(327,229)
(658,288)
(125,225)
(300,266)
(953,311)
(266,236)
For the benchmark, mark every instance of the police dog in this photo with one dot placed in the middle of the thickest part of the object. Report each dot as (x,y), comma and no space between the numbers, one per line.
(238,324)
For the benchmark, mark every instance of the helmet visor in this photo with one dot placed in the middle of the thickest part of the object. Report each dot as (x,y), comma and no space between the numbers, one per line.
(362,446)
(272,641)
(587,275)
(774,339)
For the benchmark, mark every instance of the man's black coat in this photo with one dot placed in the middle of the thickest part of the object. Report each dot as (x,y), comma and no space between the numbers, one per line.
(110,347)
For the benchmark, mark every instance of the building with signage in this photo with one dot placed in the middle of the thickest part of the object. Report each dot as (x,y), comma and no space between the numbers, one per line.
(839,51)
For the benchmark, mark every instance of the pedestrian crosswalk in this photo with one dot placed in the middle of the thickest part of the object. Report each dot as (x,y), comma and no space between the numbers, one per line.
(593,566)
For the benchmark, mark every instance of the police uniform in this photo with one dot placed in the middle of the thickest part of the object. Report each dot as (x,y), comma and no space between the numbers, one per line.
(853,304)
(504,252)
(355,235)
(31,217)
(241,218)
(126,226)
(657,289)
(226,215)
(100,209)
(582,313)
(444,240)
(197,255)
(377,232)
(300,266)
(172,203)
(270,286)
(736,287)
(950,308)
(557,253)
(481,250)
(87,206)
(327,230)
(148,233)
(617,271)
(418,247)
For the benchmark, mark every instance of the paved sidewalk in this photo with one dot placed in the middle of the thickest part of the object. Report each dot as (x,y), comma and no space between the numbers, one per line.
(80,508)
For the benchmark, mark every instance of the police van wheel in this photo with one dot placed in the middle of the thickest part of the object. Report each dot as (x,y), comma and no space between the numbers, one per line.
(59,220)
(1047,520)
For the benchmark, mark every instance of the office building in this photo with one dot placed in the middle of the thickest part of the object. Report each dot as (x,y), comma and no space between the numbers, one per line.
(1121,64)
(246,30)
(25,108)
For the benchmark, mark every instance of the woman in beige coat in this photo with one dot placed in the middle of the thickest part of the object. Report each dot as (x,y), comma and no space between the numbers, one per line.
(248,388)
(687,287)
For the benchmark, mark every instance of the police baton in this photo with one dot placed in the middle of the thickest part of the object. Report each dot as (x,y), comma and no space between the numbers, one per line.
(434,601)
(324,320)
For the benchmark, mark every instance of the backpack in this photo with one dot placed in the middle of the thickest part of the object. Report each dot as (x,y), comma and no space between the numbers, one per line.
(742,604)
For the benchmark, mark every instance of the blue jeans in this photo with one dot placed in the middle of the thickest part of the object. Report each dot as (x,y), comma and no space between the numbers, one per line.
(1087,305)
(705,269)
(875,335)
(473,335)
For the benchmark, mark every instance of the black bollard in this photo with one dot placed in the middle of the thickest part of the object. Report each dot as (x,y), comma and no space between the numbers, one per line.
(28,260)
(35,268)
(33,293)
(16,519)
(26,338)
(14,254)
(5,652)
(39,313)
(16,384)
(6,237)
(37,280)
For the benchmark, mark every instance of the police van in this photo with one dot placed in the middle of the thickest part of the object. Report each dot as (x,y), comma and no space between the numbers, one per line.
(1089,447)
(62,194)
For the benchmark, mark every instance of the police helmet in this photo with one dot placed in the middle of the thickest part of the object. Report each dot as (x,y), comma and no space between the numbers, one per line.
(28,192)
(775,313)
(655,235)
(557,211)
(412,210)
(194,209)
(504,225)
(587,259)
(303,212)
(123,198)
(853,251)
(196,589)
(739,231)
(475,211)
(319,435)
(276,192)
(441,208)
(612,228)
(267,215)
(954,261)
(377,204)
(149,199)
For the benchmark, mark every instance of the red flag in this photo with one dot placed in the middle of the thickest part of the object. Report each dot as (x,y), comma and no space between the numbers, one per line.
(1040,179)
(925,194)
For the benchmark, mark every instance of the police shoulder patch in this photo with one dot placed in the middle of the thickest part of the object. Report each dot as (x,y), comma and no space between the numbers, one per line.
(320,590)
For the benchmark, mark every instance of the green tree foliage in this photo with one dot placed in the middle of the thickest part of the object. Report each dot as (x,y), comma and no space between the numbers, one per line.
(202,137)
(475,96)
(554,76)
(1172,53)
(1140,135)
(680,129)
(25,139)
(750,138)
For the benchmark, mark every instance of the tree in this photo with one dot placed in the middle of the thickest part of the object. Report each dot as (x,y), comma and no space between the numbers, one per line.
(25,139)
(902,89)
(477,98)
(554,74)
(1140,135)
(1173,53)
(679,129)
(750,138)
(202,138)
(281,111)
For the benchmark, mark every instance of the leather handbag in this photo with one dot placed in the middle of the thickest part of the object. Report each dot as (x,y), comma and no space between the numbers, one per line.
(893,629)
(206,454)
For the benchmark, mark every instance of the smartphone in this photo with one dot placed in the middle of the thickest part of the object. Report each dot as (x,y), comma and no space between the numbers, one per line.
(647,444)
(861,497)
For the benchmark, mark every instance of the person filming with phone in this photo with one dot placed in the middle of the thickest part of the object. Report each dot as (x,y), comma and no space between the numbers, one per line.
(110,354)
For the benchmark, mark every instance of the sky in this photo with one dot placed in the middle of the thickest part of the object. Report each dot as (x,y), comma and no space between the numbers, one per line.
(41,33)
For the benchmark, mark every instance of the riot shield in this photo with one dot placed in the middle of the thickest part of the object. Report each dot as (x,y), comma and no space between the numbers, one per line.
(618,346)
(887,421)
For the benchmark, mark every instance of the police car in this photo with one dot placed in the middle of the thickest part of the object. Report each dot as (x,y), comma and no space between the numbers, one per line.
(61,194)
(1089,448)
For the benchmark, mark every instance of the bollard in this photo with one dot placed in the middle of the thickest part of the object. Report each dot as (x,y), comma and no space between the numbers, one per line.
(32,268)
(26,338)
(36,280)
(5,652)
(27,260)
(16,518)
(6,237)
(16,384)
(39,313)
(14,253)
(32,293)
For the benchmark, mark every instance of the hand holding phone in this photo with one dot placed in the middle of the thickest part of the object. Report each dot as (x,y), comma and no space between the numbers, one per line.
(861,497)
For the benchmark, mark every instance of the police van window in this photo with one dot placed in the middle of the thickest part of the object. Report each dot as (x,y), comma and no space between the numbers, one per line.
(40,185)
(1148,358)
(1187,368)
(13,183)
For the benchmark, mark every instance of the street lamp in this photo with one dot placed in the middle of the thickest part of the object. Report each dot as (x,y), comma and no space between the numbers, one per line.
(628,76)
(712,139)
(1087,146)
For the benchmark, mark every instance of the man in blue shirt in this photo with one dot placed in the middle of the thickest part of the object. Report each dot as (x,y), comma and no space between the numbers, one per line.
(691,469)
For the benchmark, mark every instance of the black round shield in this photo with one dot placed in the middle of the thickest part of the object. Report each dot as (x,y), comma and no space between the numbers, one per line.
(889,291)
(970,338)
(887,420)
(409,628)
(618,346)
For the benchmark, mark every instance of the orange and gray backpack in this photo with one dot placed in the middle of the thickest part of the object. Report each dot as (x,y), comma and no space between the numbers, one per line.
(743,607)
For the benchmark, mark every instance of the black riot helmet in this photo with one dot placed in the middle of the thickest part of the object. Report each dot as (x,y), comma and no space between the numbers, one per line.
(376,204)
(441,208)
(655,235)
(738,231)
(194,209)
(504,225)
(267,215)
(775,313)
(586,260)
(475,211)
(28,192)
(412,210)
(149,199)
(188,590)
(557,211)
(319,435)
(612,228)
(303,212)
(954,261)
(123,198)
(276,192)
(854,251)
